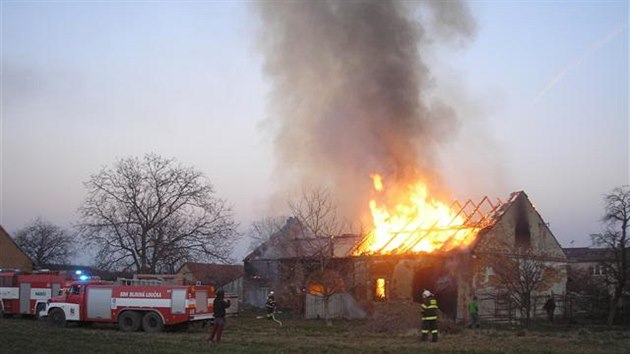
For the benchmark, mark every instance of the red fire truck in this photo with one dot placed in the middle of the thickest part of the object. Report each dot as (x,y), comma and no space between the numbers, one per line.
(27,293)
(132,307)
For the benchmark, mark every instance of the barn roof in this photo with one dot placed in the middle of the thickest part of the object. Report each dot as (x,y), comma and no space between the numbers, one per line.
(588,255)
(212,273)
(294,241)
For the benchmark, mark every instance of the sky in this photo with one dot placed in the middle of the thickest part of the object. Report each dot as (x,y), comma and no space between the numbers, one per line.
(542,90)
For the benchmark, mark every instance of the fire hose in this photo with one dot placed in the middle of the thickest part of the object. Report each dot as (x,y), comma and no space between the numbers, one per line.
(271,316)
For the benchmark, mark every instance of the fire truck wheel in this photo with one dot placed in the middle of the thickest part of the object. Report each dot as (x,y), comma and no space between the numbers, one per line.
(129,321)
(152,322)
(57,318)
(40,307)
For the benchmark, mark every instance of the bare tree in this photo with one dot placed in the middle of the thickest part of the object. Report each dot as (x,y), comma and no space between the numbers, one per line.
(520,275)
(45,243)
(153,214)
(302,247)
(316,212)
(261,230)
(615,238)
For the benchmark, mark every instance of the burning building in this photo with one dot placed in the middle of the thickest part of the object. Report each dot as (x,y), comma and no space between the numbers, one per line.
(352,94)
(481,249)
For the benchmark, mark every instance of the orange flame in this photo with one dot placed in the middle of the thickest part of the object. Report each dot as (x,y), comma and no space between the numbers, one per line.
(418,224)
(380,289)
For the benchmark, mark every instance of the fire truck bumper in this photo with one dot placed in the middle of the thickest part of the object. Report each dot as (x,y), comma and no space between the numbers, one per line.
(202,316)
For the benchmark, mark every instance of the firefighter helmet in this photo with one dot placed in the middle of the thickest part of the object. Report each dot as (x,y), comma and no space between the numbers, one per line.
(271,293)
(426,293)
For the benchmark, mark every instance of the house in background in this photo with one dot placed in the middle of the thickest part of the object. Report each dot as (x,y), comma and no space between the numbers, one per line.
(588,268)
(588,260)
(591,284)
(228,277)
(11,255)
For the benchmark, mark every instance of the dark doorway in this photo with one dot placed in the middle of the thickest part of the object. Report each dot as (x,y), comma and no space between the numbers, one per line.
(442,285)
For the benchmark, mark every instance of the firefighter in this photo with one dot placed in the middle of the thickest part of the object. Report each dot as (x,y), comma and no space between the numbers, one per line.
(429,309)
(270,305)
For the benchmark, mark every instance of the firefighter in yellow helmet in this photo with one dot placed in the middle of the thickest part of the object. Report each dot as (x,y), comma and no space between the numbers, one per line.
(429,309)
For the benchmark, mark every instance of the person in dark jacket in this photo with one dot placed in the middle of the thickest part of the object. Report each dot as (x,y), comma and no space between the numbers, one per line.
(219,306)
(429,309)
(550,307)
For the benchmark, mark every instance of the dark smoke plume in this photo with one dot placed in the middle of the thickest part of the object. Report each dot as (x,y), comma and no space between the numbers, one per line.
(349,91)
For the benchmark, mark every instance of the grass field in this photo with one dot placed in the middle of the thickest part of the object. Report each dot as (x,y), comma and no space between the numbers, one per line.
(246,334)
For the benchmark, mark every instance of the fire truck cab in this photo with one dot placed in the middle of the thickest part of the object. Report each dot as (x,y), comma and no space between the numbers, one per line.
(132,307)
(28,293)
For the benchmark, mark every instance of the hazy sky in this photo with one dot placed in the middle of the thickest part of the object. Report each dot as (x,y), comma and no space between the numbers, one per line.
(542,89)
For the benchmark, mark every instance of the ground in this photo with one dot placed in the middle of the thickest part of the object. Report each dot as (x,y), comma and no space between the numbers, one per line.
(246,334)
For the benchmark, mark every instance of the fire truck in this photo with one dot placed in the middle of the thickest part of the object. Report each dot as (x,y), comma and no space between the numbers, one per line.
(132,307)
(26,293)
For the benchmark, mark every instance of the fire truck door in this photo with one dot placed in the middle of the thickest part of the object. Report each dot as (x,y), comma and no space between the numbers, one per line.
(201,301)
(25,298)
(99,303)
(178,301)
(55,289)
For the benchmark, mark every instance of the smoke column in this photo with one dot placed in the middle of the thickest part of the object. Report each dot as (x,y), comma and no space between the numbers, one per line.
(349,91)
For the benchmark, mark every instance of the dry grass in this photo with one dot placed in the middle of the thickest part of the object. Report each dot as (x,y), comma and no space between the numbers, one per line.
(246,334)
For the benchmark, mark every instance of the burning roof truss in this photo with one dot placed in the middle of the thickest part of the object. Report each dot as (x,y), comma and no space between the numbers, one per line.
(467,220)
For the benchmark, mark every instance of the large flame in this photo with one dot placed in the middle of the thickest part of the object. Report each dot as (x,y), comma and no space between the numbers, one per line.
(414,223)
